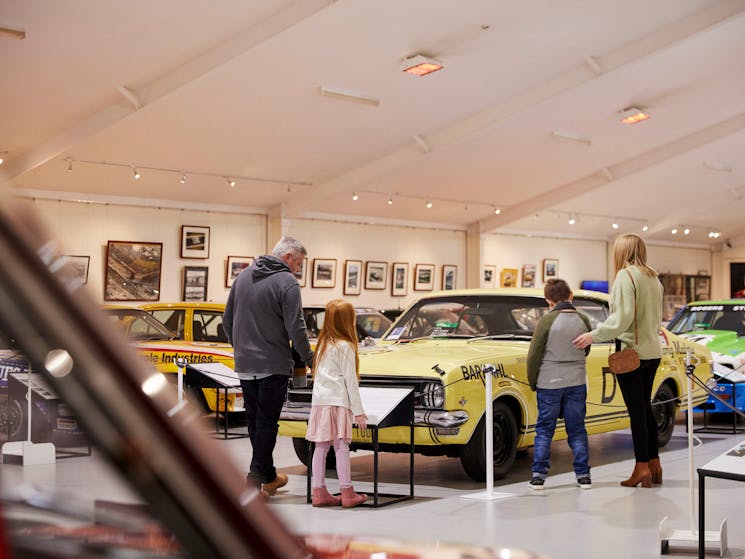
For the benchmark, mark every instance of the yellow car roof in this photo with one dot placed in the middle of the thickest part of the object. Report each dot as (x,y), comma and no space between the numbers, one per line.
(184,305)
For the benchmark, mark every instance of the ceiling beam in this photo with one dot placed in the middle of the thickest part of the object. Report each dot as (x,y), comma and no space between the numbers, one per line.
(618,171)
(162,86)
(482,121)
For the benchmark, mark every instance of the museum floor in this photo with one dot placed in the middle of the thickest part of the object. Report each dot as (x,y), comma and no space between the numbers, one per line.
(607,521)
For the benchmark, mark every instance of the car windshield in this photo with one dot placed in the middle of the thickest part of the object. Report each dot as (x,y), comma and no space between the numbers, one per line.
(139,325)
(709,317)
(481,316)
(370,323)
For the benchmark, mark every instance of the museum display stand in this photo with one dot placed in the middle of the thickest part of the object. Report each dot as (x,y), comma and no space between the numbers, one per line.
(693,537)
(385,407)
(222,378)
(26,452)
(488,494)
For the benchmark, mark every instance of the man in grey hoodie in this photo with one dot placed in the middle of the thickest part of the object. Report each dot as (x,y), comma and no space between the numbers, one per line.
(264,313)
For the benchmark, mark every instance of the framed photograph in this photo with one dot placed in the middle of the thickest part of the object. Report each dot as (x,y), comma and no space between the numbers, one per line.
(195,241)
(399,279)
(78,266)
(195,283)
(235,266)
(424,277)
(508,277)
(449,276)
(132,271)
(302,275)
(529,275)
(550,268)
(324,272)
(376,275)
(488,275)
(352,277)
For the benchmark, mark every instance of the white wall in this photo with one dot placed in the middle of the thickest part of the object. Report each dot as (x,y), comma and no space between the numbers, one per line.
(674,260)
(385,243)
(85,229)
(578,259)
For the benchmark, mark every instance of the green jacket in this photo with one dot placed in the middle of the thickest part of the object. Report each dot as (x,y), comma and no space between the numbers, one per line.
(646,293)
(540,337)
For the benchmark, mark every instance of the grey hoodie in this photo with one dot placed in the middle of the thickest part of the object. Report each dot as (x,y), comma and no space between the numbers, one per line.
(263,314)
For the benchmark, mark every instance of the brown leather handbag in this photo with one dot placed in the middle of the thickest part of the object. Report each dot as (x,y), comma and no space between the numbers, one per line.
(627,360)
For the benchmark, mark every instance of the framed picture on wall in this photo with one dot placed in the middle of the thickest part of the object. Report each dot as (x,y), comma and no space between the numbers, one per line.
(78,266)
(399,279)
(376,274)
(529,275)
(195,241)
(235,266)
(195,283)
(324,272)
(132,271)
(449,276)
(302,275)
(488,275)
(352,277)
(508,277)
(424,277)
(550,268)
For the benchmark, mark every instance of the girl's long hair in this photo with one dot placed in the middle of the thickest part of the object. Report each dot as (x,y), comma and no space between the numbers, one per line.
(340,323)
(630,249)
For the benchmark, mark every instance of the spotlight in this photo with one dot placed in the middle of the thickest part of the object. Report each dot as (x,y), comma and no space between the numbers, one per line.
(428,204)
(615,225)
(3,155)
(135,173)
(497,211)
(686,231)
(645,227)
(572,221)
(183,178)
(674,231)
(632,115)
(390,200)
(69,165)
(419,65)
(231,182)
(355,197)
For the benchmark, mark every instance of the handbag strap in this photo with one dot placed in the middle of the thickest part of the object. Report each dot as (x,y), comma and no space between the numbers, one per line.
(636,329)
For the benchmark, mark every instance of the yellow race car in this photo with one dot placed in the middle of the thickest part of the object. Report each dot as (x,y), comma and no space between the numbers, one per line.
(442,345)
(163,346)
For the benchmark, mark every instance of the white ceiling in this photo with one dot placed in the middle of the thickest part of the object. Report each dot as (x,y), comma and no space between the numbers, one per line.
(232,89)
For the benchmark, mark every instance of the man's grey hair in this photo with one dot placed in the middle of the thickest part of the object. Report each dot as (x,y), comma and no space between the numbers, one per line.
(288,245)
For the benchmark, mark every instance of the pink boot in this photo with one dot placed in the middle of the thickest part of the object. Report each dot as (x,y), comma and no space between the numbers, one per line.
(322,498)
(351,499)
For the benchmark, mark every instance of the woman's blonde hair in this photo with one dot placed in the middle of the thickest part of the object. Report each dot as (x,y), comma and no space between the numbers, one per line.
(630,249)
(340,323)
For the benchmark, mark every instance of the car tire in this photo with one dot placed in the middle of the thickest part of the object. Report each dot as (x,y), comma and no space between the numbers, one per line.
(11,419)
(664,414)
(473,455)
(301,450)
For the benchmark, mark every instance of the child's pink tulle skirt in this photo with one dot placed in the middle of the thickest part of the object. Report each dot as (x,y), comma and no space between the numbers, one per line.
(328,423)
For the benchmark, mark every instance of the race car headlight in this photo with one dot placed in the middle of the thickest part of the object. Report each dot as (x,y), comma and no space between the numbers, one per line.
(433,395)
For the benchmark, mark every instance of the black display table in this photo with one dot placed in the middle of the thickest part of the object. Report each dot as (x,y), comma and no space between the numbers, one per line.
(384,407)
(721,429)
(219,377)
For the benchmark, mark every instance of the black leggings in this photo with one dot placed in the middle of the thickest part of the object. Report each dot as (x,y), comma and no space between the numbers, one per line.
(636,388)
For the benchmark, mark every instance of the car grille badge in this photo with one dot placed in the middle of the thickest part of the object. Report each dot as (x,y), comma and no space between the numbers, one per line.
(462,402)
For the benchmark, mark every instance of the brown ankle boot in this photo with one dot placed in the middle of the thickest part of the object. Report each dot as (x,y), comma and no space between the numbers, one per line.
(641,474)
(655,469)
(351,499)
(322,498)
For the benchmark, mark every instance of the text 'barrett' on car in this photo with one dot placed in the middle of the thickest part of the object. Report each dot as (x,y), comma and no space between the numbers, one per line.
(164,347)
(720,326)
(443,344)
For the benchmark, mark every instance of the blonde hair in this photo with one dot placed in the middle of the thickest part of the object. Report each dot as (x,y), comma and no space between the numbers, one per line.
(630,249)
(340,323)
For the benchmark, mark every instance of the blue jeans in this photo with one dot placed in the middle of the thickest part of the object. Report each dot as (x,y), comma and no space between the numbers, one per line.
(570,401)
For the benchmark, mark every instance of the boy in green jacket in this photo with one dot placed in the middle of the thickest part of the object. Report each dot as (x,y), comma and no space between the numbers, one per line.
(556,371)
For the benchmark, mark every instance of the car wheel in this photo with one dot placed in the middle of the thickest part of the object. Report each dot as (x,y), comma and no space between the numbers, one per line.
(11,418)
(473,455)
(301,450)
(663,407)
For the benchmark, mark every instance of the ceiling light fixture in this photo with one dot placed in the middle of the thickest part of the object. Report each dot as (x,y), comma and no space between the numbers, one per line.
(674,231)
(572,220)
(686,231)
(420,65)
(718,166)
(645,227)
(390,200)
(231,182)
(135,172)
(183,178)
(614,225)
(428,204)
(348,95)
(497,211)
(3,154)
(355,197)
(632,115)
(714,234)
(571,136)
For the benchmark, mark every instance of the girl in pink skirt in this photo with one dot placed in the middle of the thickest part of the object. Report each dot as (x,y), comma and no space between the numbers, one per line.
(336,403)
